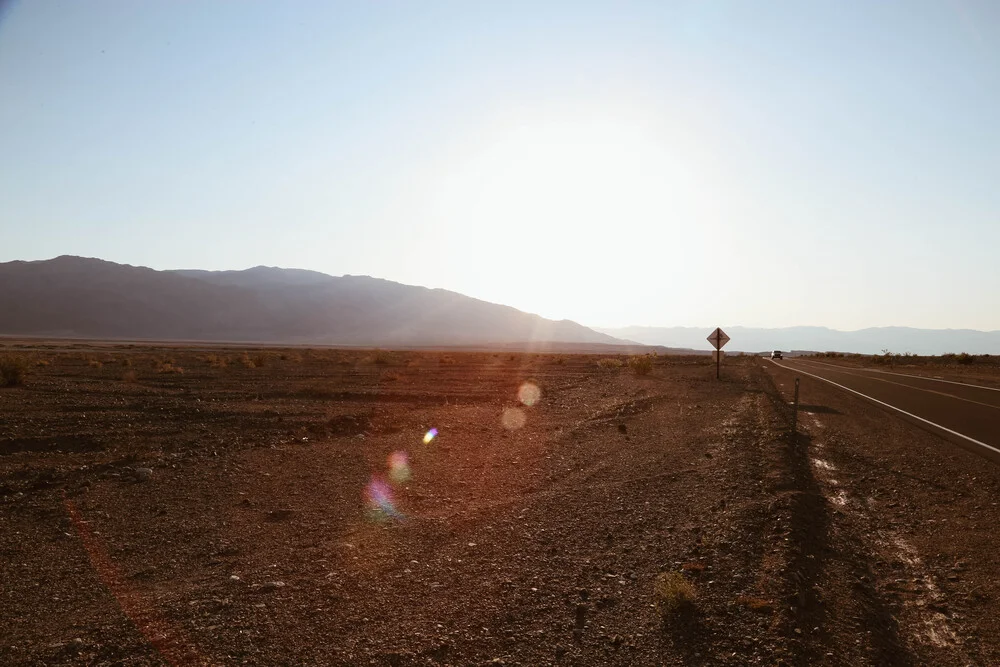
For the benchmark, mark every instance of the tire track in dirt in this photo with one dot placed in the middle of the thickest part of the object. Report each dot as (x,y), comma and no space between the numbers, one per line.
(829,586)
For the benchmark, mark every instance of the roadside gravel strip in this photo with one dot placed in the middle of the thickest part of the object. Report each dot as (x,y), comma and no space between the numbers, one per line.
(921,511)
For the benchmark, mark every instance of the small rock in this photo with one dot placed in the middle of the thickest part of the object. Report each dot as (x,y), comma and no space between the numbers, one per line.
(143,474)
(273,585)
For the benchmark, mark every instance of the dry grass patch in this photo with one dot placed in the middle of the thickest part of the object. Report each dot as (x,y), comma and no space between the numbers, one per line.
(673,594)
(258,360)
(641,365)
(756,604)
(13,370)
(169,367)
(216,361)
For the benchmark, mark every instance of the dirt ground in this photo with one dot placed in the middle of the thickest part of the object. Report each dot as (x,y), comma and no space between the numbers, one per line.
(184,506)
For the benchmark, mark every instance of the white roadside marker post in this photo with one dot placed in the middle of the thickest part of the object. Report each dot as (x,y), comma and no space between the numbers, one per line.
(795,418)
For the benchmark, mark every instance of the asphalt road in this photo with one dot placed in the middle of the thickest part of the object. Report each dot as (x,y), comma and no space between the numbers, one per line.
(967,414)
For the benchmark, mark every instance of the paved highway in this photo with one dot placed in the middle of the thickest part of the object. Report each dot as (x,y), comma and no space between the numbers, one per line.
(967,414)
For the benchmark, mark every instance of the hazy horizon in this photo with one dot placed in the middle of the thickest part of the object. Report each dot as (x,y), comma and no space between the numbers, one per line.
(620,330)
(687,164)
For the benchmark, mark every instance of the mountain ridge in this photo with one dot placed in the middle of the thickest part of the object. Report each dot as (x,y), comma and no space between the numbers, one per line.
(71,296)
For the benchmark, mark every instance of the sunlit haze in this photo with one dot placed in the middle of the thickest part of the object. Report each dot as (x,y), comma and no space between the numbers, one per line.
(684,163)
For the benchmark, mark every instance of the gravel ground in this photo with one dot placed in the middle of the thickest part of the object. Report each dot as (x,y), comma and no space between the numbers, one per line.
(283,507)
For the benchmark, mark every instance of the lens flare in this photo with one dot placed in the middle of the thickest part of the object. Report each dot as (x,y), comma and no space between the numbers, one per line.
(430,435)
(513,418)
(378,497)
(529,393)
(399,467)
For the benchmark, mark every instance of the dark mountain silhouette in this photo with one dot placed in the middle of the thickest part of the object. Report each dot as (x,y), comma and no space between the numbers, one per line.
(91,298)
(821,339)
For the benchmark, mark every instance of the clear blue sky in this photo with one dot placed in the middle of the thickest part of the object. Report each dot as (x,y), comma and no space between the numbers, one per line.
(664,163)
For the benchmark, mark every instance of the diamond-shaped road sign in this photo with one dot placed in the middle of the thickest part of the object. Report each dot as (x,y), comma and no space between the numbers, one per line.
(718,338)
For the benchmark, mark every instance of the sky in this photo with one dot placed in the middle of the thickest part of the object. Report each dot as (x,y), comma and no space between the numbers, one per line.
(622,163)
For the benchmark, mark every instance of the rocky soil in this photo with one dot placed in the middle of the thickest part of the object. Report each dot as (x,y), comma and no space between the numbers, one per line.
(184,506)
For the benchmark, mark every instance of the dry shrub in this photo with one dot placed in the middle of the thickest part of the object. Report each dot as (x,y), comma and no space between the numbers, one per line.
(94,363)
(13,370)
(42,362)
(169,367)
(129,376)
(673,594)
(215,361)
(380,358)
(610,362)
(641,365)
(126,362)
(258,360)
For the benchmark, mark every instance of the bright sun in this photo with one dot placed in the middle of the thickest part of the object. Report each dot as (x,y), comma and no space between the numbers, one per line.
(577,173)
(566,201)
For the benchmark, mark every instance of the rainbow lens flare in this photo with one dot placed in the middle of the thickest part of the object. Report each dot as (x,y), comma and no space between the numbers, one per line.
(529,393)
(378,497)
(399,467)
(430,435)
(513,418)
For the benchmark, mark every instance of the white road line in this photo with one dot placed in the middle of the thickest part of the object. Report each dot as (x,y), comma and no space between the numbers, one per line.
(910,386)
(893,407)
(905,375)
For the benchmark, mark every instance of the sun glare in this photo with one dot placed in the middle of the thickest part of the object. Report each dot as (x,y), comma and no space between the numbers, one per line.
(584,171)
(551,197)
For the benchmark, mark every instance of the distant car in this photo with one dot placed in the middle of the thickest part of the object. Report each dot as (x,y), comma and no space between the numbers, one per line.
(776,354)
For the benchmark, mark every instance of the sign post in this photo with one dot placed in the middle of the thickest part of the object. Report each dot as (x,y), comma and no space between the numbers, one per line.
(795,417)
(718,339)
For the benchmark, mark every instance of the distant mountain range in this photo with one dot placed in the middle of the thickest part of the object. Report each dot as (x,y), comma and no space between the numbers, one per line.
(76,297)
(91,298)
(821,339)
